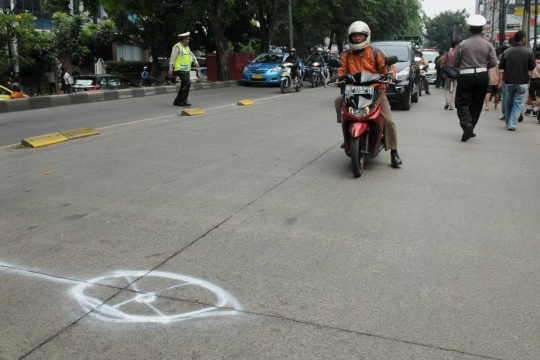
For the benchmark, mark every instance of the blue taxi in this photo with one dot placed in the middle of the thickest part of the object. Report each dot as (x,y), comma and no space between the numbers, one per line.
(264,69)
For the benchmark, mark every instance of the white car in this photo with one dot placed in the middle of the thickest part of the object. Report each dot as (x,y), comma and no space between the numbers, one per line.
(198,75)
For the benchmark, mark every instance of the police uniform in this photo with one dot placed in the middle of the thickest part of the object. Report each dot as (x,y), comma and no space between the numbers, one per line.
(180,63)
(473,58)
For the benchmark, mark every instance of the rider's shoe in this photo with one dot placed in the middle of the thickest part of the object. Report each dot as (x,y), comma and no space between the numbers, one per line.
(395,160)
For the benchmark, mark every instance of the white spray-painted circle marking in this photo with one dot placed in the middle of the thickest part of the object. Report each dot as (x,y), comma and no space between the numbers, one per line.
(226,304)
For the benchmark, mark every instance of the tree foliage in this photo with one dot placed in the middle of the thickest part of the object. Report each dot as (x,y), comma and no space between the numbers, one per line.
(15,28)
(445,27)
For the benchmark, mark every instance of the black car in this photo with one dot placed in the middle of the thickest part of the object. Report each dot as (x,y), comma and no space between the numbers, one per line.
(102,82)
(407,88)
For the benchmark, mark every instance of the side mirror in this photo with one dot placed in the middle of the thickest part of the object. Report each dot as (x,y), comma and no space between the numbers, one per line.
(391,60)
(417,59)
(334,63)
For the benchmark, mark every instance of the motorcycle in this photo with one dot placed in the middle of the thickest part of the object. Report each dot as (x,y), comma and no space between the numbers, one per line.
(423,79)
(150,82)
(316,78)
(362,122)
(287,82)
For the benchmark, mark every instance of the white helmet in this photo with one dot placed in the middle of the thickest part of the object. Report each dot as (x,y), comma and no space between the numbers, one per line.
(318,49)
(362,28)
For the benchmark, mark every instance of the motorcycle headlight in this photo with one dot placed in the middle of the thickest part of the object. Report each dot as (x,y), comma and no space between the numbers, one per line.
(403,74)
(359,112)
(316,64)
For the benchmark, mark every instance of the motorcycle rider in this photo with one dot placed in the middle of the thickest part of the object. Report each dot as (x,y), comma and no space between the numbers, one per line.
(425,63)
(318,57)
(361,57)
(145,76)
(295,69)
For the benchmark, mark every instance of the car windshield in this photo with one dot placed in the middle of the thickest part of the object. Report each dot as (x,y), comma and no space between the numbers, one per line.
(402,52)
(430,57)
(269,58)
(83,82)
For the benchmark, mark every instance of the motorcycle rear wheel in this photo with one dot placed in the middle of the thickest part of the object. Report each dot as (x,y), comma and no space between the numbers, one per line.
(357,157)
(283,86)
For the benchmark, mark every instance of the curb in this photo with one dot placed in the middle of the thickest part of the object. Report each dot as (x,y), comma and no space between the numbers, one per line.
(42,102)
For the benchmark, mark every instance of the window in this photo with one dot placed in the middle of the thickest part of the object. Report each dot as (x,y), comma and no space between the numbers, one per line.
(114,81)
(128,52)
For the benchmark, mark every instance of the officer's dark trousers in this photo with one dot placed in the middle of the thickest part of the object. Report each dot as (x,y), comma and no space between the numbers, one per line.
(185,84)
(470,94)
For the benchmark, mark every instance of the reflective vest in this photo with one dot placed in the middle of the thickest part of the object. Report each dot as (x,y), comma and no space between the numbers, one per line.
(183,60)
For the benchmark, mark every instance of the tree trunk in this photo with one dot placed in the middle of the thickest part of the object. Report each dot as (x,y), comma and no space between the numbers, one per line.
(267,20)
(299,27)
(331,39)
(222,46)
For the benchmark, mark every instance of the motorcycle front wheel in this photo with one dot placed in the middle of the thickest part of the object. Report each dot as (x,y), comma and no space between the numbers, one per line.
(283,86)
(313,81)
(357,155)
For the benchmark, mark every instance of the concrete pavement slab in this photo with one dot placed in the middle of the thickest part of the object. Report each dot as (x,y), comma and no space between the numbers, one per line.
(245,336)
(35,308)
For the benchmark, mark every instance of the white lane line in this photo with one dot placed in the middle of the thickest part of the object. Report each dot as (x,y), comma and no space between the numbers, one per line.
(167,116)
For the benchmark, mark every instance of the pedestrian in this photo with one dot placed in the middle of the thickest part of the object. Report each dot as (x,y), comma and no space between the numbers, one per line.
(180,63)
(440,79)
(534,89)
(493,87)
(51,79)
(362,57)
(62,80)
(502,83)
(68,81)
(9,81)
(450,83)
(473,58)
(516,63)
(145,77)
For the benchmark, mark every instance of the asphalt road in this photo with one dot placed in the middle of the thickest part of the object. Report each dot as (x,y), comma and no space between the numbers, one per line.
(242,234)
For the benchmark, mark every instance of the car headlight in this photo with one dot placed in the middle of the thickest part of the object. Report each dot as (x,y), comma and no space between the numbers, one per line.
(276,69)
(246,68)
(359,112)
(403,74)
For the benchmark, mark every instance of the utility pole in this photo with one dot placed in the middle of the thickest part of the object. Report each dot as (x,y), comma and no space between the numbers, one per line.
(493,37)
(535,23)
(290,26)
(502,16)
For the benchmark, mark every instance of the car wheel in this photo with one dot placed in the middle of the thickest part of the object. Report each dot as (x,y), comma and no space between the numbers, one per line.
(406,105)
(247,84)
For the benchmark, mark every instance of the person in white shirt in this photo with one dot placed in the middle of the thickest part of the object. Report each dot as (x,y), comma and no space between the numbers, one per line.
(68,81)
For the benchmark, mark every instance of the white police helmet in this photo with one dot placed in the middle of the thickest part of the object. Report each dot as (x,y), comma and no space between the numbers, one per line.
(476,21)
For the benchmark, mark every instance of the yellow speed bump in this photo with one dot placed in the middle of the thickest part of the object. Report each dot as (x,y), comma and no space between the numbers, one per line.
(245,102)
(79,133)
(44,140)
(191,112)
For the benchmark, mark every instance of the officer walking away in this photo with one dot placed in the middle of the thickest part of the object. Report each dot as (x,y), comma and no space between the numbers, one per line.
(516,63)
(180,63)
(473,58)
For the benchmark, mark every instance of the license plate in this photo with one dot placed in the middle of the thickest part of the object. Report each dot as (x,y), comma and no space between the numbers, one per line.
(256,76)
(361,89)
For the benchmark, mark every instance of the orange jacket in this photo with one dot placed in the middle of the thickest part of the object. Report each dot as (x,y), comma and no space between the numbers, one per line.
(366,63)
(17,95)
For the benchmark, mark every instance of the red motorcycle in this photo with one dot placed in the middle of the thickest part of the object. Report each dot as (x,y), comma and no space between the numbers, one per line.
(362,122)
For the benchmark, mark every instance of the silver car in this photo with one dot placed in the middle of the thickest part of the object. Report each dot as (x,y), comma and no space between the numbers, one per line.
(430,57)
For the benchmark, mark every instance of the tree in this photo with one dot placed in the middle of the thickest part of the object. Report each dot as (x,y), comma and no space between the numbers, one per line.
(67,36)
(445,27)
(15,27)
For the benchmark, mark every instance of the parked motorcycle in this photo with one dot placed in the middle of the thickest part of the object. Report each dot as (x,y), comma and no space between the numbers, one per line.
(287,83)
(362,122)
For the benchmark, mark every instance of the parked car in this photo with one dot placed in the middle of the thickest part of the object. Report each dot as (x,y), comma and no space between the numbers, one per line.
(101,82)
(430,57)
(264,69)
(5,93)
(198,75)
(407,87)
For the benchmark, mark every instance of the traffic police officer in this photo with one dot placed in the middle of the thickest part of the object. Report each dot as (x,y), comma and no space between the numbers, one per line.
(473,58)
(180,62)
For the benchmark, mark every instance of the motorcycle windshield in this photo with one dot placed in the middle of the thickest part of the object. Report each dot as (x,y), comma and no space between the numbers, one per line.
(365,77)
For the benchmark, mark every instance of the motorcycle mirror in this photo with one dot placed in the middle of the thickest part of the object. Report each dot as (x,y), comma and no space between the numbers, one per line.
(391,60)
(335,63)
